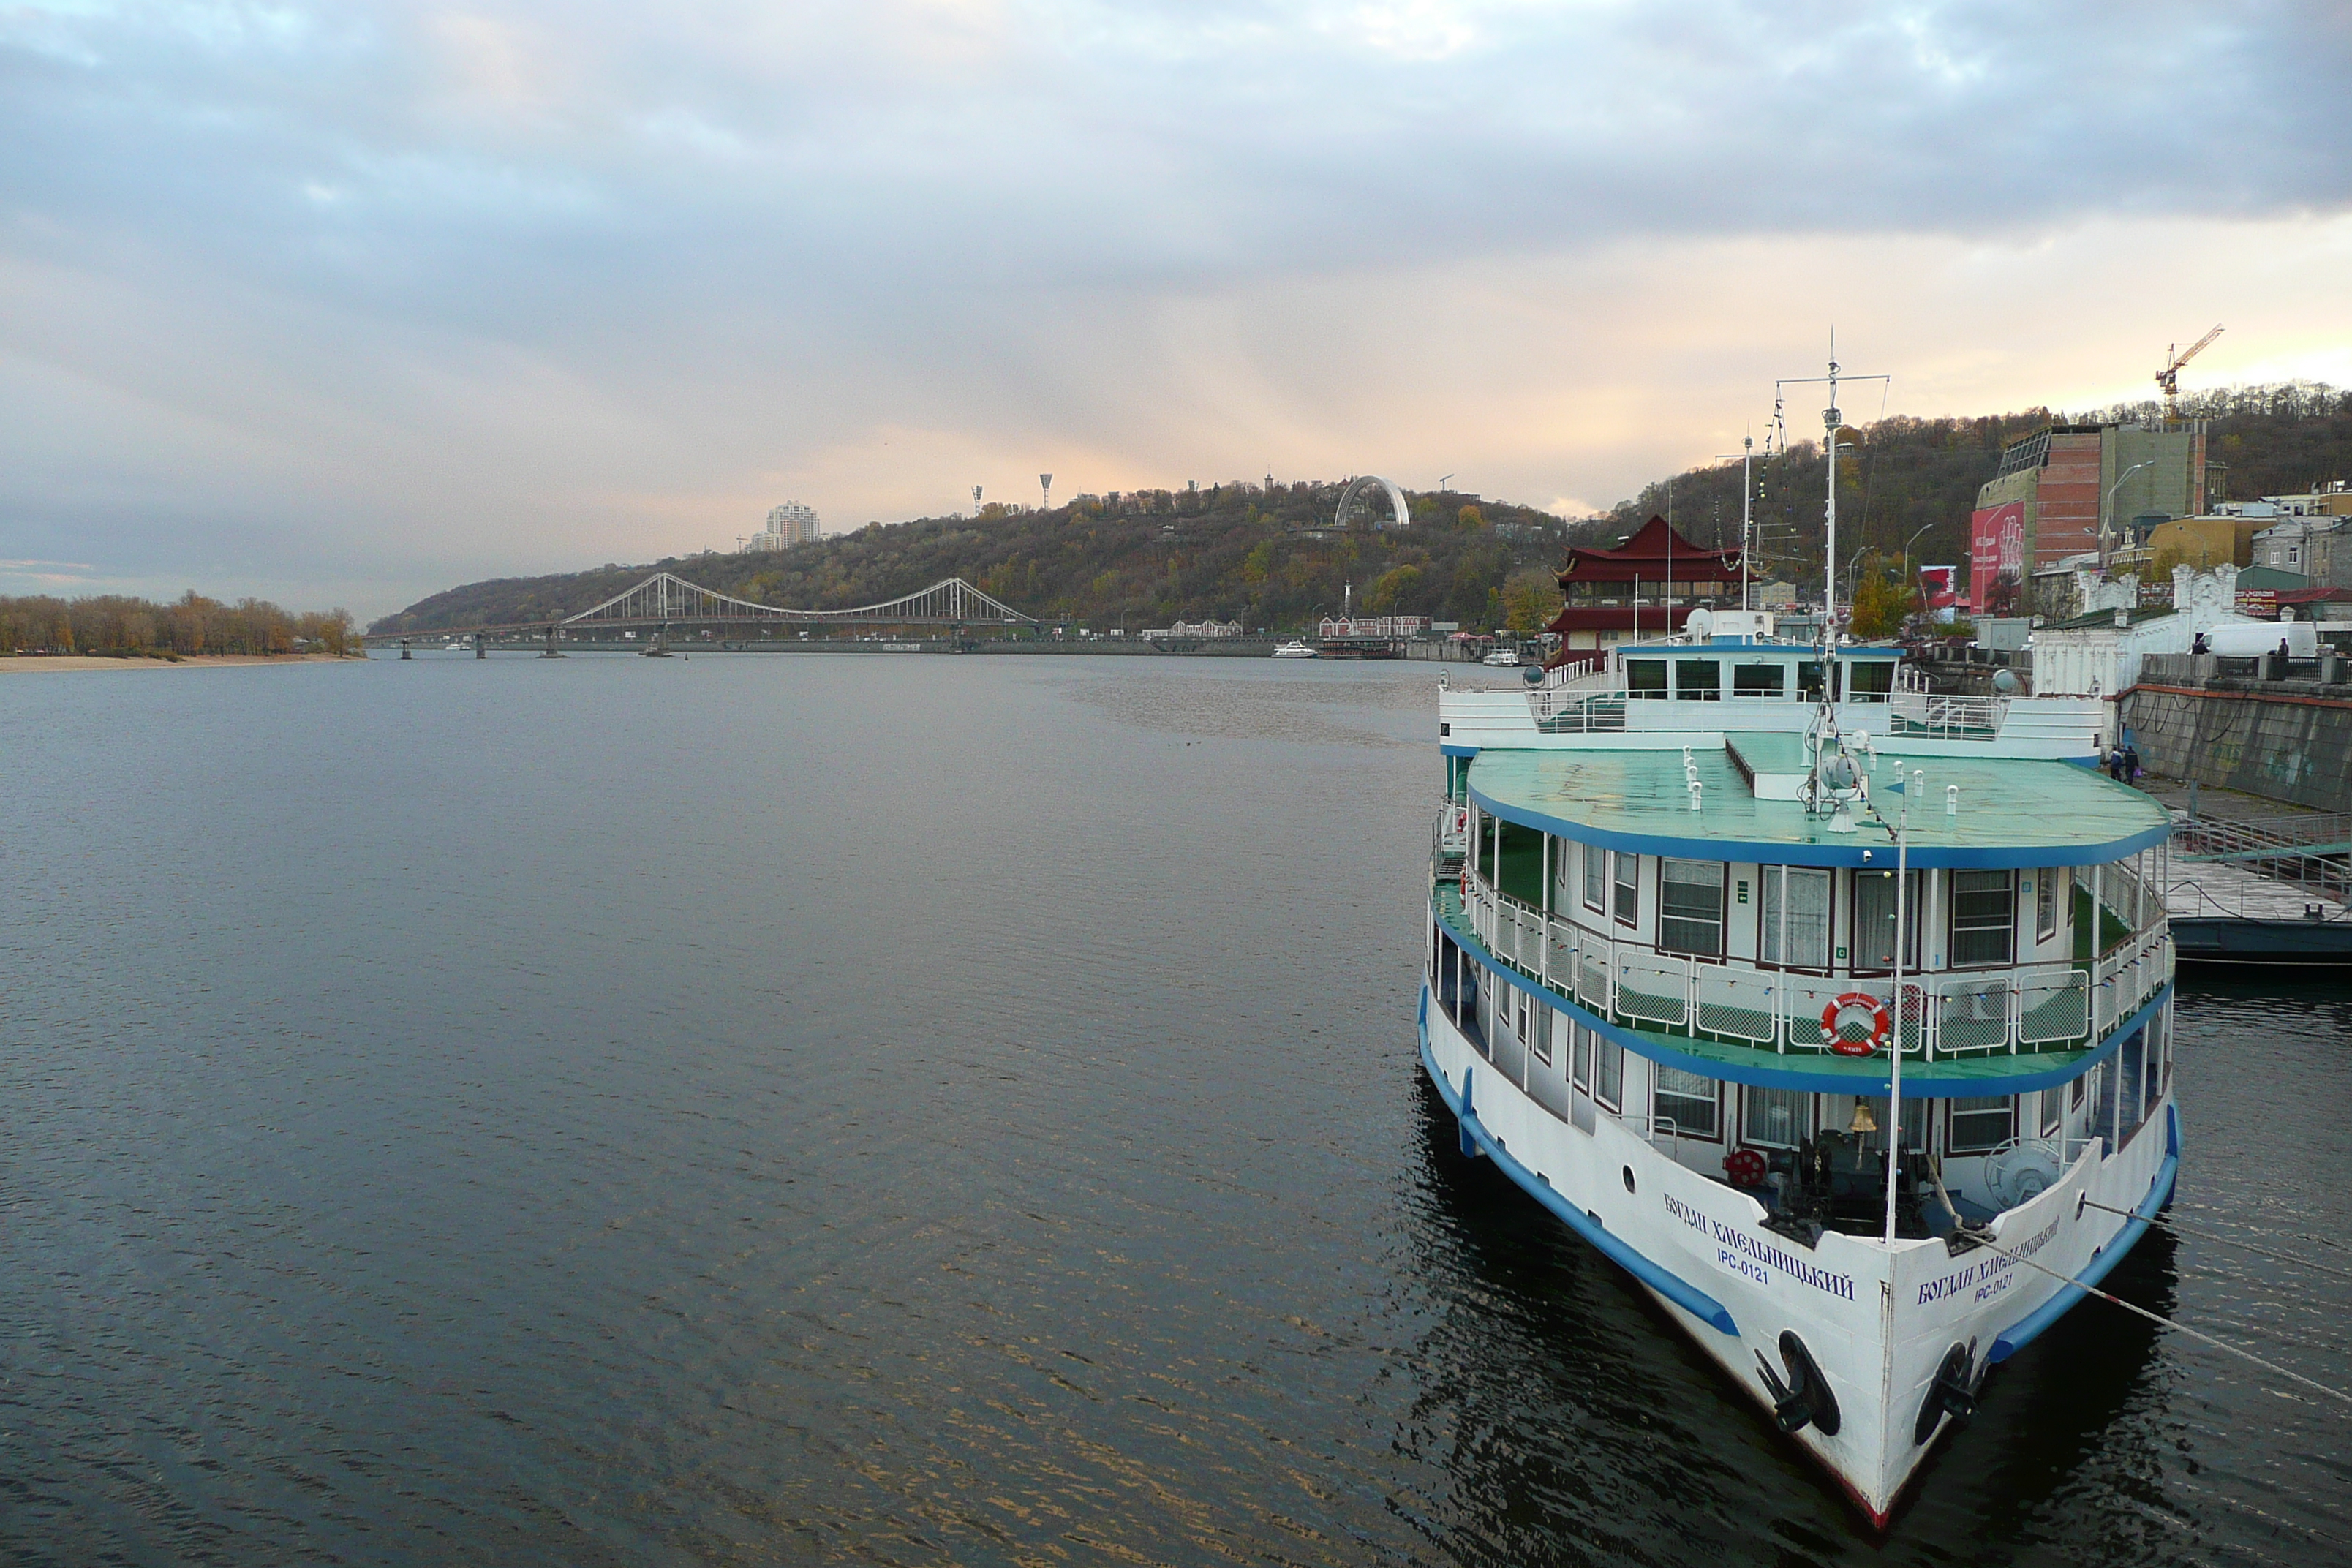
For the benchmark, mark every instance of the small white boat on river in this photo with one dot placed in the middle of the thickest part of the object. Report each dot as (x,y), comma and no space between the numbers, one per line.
(1836,1013)
(1295,648)
(1501,659)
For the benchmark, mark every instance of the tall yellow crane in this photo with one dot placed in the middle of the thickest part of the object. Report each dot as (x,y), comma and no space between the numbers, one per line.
(2168,377)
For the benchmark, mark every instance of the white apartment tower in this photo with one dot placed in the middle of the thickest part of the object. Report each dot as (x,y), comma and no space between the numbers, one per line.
(794,523)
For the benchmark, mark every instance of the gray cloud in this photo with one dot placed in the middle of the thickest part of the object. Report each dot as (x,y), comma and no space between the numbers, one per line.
(320,295)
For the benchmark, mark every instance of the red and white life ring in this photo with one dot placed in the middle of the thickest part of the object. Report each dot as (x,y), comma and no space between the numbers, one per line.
(1882,1024)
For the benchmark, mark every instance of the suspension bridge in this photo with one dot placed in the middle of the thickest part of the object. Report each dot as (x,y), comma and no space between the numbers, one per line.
(666,603)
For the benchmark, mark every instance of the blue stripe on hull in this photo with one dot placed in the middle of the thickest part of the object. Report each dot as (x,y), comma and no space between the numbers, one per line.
(2018,1335)
(1673,1287)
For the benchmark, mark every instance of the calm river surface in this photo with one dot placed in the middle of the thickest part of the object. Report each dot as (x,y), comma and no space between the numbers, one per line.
(913,1111)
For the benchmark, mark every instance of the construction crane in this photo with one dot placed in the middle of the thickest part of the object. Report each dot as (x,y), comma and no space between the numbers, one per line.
(2168,377)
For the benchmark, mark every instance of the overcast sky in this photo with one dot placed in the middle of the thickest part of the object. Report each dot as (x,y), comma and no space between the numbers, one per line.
(345,304)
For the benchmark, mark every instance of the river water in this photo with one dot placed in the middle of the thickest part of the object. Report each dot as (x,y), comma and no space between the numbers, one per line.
(808,1109)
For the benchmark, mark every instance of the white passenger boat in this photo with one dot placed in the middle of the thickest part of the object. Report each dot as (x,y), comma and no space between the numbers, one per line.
(1295,648)
(1501,659)
(1712,926)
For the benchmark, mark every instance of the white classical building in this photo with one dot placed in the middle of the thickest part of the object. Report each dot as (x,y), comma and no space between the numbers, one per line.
(794,523)
(2097,653)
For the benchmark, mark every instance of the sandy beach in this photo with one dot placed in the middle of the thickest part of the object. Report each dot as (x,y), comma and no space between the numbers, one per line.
(36,663)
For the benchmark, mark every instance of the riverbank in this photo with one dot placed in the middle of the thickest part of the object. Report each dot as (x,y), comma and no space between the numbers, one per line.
(25,664)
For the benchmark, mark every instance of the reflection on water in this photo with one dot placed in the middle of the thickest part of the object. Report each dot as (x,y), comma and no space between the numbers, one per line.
(916,1110)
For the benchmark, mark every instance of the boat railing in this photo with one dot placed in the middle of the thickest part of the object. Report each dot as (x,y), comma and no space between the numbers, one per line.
(1923,713)
(1577,714)
(1944,1015)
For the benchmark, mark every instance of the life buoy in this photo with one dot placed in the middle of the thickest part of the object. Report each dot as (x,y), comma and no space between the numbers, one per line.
(1882,1024)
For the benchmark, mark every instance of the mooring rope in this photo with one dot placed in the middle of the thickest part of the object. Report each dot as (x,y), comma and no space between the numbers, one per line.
(2162,1322)
(2167,1221)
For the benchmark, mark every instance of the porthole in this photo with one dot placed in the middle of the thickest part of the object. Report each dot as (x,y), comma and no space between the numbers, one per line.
(1629,1178)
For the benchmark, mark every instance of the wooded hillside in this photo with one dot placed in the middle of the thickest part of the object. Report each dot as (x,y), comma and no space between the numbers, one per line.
(1270,557)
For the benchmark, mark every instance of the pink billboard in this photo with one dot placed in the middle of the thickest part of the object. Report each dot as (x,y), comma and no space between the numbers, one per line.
(1996,556)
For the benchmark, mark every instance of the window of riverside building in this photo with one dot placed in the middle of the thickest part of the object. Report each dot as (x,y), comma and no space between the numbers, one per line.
(1874,920)
(1759,679)
(1776,1118)
(1795,918)
(1608,1074)
(1690,906)
(1984,915)
(1698,680)
(1629,889)
(1869,679)
(1645,678)
(1981,1126)
(1687,1100)
(2049,884)
(1596,878)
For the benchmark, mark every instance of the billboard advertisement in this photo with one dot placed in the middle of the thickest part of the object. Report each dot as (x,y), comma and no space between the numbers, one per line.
(1938,591)
(1996,557)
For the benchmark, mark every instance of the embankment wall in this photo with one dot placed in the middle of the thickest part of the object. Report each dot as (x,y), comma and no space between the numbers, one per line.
(2286,740)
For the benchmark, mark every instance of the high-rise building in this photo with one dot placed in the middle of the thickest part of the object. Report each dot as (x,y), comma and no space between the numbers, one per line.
(794,523)
(2059,490)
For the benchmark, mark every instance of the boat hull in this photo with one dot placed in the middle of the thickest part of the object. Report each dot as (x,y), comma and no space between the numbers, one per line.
(1879,1323)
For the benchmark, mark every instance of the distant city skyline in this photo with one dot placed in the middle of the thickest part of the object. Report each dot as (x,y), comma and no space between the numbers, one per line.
(346,306)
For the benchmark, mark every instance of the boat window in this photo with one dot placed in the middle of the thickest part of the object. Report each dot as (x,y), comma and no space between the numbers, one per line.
(1685,1099)
(1538,1035)
(1629,888)
(2053,1111)
(1698,680)
(2049,889)
(1776,1118)
(1869,680)
(1983,918)
(1690,906)
(1759,679)
(1795,918)
(1978,1126)
(1645,678)
(1808,680)
(1608,1073)
(1579,1061)
(1874,920)
(2081,1087)
(1596,876)
(1914,1123)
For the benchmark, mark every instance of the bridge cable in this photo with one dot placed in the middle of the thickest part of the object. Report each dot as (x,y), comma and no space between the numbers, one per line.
(2202,1235)
(2163,1321)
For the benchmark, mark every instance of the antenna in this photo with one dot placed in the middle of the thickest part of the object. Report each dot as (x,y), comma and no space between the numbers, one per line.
(1833,421)
(1747,500)
(975,501)
(1045,492)
(1443,480)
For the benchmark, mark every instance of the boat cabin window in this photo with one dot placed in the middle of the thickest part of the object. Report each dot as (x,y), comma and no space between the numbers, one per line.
(1629,888)
(1978,1126)
(1580,1057)
(1808,680)
(1759,679)
(1775,1118)
(1690,906)
(2053,1112)
(1698,680)
(1874,920)
(1596,876)
(1645,678)
(1983,918)
(1608,1073)
(1687,1099)
(1795,918)
(1869,680)
(1914,1123)
(2049,885)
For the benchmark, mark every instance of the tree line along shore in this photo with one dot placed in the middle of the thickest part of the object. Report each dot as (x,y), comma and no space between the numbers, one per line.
(1272,555)
(191,626)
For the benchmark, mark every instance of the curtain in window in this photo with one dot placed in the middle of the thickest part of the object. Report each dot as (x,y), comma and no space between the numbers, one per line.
(1690,906)
(1776,1118)
(1688,1098)
(1874,920)
(1796,918)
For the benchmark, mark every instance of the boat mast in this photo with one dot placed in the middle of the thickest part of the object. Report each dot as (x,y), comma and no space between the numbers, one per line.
(1894,1078)
(1829,532)
(1747,500)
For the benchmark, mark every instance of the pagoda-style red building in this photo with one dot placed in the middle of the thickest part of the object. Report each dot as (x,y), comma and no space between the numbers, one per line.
(1643,588)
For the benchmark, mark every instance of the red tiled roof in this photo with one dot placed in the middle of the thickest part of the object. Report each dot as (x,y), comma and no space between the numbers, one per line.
(1647,554)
